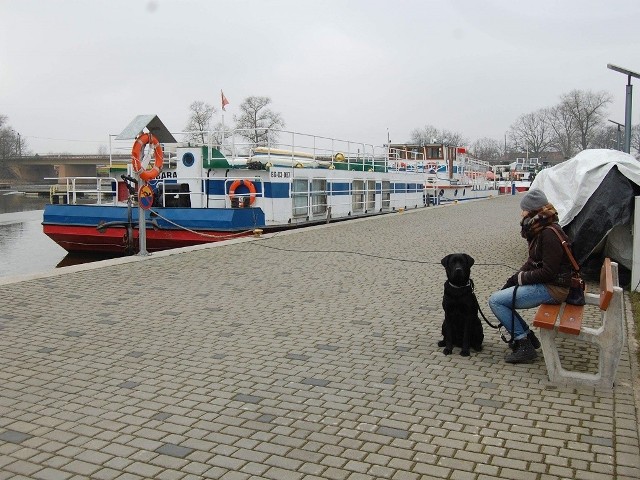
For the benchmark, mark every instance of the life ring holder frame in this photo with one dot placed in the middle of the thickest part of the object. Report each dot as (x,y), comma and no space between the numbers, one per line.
(136,153)
(248,184)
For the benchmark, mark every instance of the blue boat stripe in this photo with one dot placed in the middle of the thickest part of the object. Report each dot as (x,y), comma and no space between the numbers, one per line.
(282,190)
(276,190)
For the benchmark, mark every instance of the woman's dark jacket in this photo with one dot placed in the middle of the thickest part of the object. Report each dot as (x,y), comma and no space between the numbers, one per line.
(548,262)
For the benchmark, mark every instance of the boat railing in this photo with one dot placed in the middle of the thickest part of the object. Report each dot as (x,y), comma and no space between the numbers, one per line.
(180,193)
(74,190)
(285,143)
(240,144)
(417,163)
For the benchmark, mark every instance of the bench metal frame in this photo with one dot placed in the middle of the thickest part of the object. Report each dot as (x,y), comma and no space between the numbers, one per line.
(609,337)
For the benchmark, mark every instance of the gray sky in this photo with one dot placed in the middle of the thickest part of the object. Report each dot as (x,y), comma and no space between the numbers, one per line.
(72,72)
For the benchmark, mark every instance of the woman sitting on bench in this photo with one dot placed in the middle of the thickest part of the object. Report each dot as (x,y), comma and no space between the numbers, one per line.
(544,277)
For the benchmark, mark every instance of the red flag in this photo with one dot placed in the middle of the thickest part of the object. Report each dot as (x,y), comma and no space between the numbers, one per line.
(225,102)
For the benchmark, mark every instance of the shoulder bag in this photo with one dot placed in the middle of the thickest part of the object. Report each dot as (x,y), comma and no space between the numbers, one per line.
(576,288)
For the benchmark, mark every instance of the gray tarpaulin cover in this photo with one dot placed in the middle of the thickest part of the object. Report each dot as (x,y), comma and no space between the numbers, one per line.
(151,123)
(594,195)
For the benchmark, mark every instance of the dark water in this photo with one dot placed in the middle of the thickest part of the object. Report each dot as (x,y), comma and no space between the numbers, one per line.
(24,249)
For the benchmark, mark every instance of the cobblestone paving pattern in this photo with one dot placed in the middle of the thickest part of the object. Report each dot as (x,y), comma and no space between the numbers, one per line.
(305,355)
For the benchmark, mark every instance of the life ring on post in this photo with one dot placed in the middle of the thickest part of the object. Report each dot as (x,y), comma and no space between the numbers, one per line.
(248,184)
(136,152)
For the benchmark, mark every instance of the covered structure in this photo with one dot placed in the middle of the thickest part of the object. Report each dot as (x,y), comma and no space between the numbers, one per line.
(594,193)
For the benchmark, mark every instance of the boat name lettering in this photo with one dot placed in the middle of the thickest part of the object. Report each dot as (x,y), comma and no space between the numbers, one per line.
(280,174)
(168,175)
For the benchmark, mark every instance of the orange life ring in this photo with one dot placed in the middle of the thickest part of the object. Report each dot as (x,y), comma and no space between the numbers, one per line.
(136,152)
(247,183)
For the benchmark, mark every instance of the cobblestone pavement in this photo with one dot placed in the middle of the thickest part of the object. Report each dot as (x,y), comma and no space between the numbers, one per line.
(304,355)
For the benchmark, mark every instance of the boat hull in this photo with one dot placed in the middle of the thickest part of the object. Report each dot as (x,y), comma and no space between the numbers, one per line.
(111,229)
(518,186)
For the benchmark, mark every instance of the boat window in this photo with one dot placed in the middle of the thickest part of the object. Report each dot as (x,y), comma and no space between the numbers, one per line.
(386,194)
(435,152)
(371,195)
(318,196)
(300,197)
(357,192)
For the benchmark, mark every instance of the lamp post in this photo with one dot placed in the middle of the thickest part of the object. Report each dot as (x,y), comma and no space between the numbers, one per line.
(619,132)
(627,106)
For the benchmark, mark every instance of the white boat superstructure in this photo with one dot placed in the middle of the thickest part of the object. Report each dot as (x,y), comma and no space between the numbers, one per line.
(207,191)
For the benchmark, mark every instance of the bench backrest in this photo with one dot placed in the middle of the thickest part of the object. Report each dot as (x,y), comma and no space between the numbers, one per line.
(606,284)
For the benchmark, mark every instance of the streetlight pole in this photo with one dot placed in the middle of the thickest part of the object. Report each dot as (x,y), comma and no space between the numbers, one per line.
(619,132)
(627,106)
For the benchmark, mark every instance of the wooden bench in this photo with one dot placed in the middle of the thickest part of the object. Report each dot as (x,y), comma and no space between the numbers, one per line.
(566,321)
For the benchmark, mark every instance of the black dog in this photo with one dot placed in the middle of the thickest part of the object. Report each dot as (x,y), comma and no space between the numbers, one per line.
(461,327)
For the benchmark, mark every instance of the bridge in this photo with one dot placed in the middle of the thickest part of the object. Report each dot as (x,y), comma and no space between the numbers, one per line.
(66,159)
(33,168)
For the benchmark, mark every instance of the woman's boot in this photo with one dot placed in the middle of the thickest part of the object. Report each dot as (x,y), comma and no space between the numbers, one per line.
(532,338)
(523,353)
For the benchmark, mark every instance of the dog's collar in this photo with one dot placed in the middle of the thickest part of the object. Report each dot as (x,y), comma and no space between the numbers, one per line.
(469,284)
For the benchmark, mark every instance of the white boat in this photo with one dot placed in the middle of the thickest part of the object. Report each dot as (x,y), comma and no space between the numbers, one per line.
(517,176)
(210,192)
(451,172)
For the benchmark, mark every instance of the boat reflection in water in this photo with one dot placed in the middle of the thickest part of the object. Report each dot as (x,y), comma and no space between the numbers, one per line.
(80,258)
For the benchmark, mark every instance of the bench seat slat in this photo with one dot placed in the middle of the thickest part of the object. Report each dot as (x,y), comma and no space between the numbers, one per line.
(546,316)
(606,284)
(571,319)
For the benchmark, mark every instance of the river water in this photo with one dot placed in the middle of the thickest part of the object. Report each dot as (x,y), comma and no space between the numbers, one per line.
(24,249)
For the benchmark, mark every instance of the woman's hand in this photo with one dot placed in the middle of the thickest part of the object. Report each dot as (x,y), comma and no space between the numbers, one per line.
(512,281)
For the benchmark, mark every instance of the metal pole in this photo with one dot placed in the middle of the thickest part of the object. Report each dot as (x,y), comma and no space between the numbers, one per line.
(619,134)
(635,252)
(142,231)
(142,222)
(627,117)
(627,107)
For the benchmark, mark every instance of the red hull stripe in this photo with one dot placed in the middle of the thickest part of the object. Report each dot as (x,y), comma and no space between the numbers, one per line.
(89,239)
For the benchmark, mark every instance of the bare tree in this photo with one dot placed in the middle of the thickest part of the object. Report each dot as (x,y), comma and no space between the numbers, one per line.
(220,132)
(635,138)
(562,123)
(606,137)
(454,139)
(531,133)
(199,121)
(11,144)
(257,123)
(588,112)
(430,134)
(488,149)
(425,136)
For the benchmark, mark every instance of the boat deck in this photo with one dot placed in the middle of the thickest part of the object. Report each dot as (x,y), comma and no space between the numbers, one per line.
(304,354)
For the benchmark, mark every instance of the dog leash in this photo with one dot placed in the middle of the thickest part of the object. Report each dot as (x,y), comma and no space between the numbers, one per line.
(498,327)
(473,291)
(513,319)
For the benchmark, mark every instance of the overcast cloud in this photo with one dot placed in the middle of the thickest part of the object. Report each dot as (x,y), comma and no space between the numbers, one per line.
(73,72)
